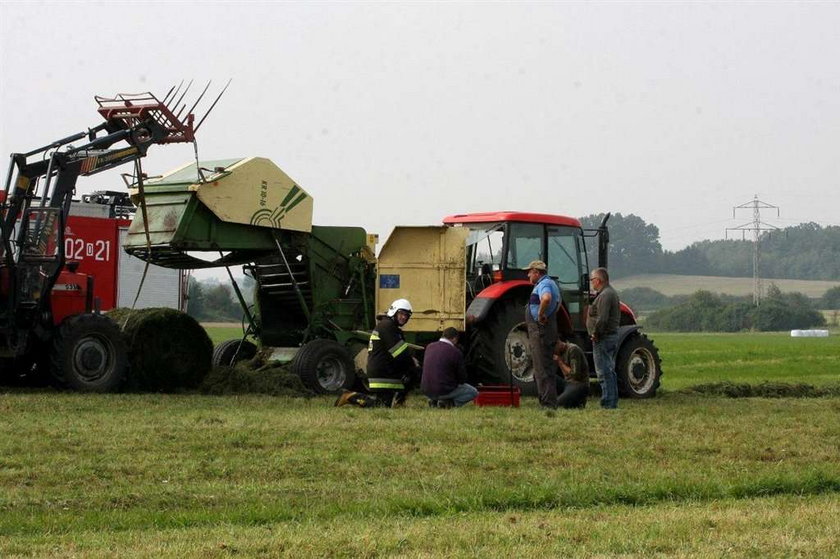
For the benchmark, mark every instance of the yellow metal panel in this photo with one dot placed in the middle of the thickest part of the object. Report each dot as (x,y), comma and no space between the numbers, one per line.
(425,265)
(255,191)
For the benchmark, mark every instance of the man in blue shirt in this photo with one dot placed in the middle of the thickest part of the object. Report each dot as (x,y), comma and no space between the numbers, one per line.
(541,320)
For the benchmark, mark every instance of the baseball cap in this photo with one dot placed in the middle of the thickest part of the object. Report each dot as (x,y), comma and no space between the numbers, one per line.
(537,265)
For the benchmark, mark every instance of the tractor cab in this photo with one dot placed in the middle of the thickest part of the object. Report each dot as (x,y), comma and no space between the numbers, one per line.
(501,244)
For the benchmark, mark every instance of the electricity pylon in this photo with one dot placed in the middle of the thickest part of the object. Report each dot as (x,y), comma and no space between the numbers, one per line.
(756,226)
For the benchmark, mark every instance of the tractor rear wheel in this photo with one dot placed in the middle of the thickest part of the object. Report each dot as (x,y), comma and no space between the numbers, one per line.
(231,352)
(638,367)
(502,347)
(89,354)
(324,366)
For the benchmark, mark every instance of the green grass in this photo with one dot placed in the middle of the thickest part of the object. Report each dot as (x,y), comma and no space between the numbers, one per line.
(142,475)
(671,284)
(220,332)
(689,359)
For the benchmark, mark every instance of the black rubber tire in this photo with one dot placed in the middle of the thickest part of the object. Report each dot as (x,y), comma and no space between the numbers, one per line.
(324,366)
(501,347)
(229,353)
(89,354)
(638,367)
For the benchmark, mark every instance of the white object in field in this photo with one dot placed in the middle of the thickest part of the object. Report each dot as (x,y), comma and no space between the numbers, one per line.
(809,333)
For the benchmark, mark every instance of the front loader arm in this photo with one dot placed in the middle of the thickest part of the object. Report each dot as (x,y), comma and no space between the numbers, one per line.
(39,186)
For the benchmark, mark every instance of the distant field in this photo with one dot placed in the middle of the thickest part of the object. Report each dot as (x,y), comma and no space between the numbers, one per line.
(670,284)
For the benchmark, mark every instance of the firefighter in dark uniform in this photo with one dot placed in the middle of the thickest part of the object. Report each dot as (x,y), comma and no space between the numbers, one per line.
(391,368)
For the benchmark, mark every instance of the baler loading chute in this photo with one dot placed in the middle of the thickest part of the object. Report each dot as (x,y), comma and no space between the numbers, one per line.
(235,206)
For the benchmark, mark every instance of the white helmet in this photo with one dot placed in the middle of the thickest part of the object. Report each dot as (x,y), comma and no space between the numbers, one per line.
(399,305)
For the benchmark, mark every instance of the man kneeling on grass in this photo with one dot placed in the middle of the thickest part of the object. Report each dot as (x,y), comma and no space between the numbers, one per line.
(444,380)
(576,389)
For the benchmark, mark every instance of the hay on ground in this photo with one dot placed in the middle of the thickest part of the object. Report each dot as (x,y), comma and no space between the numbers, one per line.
(764,390)
(255,377)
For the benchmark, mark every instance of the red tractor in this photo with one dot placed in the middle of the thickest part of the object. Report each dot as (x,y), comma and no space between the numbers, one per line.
(48,315)
(499,246)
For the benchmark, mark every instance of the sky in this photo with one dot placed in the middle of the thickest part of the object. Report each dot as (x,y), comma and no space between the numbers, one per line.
(401,113)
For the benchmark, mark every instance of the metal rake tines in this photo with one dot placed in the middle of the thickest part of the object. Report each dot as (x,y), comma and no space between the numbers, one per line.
(128,110)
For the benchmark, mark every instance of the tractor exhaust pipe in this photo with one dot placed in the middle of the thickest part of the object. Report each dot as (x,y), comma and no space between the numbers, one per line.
(603,242)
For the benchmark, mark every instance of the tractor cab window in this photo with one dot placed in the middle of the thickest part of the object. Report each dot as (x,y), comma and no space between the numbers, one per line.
(564,255)
(484,247)
(525,244)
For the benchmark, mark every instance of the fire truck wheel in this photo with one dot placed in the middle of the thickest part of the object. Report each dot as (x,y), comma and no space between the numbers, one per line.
(324,366)
(229,352)
(638,367)
(502,346)
(89,354)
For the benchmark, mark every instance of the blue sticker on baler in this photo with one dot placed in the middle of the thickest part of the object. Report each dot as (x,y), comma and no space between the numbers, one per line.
(389,281)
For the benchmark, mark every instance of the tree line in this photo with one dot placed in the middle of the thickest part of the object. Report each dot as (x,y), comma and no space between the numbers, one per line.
(804,251)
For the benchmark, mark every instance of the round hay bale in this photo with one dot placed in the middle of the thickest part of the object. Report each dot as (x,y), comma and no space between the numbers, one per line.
(168,349)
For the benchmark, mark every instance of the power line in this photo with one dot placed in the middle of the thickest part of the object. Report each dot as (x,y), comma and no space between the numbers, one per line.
(756,226)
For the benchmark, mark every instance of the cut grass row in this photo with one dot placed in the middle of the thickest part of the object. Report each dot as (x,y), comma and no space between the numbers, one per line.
(79,467)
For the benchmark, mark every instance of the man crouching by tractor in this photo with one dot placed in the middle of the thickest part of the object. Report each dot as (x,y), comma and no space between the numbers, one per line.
(391,368)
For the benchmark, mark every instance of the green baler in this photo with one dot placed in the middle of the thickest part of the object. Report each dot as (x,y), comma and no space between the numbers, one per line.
(314,285)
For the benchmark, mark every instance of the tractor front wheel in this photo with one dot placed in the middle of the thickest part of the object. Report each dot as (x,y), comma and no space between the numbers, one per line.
(324,366)
(89,354)
(502,349)
(638,367)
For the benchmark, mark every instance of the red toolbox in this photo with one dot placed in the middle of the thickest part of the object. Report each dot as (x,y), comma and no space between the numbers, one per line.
(498,395)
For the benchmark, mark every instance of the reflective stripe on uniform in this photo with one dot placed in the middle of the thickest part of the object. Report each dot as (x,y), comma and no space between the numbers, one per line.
(398,348)
(386,384)
(373,336)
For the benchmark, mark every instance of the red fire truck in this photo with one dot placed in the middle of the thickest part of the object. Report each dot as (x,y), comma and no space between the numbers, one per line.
(93,237)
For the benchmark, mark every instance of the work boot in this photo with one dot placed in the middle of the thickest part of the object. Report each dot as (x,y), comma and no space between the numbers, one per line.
(344,398)
(398,400)
(433,403)
(445,404)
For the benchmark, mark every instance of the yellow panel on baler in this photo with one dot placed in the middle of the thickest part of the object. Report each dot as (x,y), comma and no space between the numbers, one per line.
(254,191)
(425,265)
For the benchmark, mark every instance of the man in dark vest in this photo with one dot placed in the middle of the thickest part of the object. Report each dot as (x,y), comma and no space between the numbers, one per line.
(444,379)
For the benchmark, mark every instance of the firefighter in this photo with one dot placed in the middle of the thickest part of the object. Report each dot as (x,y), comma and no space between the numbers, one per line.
(391,368)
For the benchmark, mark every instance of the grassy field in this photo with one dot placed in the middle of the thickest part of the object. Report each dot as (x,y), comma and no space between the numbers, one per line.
(140,475)
(669,284)
(690,359)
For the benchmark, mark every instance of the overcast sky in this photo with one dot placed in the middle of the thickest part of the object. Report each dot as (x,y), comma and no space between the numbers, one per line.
(402,113)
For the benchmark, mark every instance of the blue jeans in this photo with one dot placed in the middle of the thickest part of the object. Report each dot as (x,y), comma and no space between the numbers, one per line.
(463,394)
(603,353)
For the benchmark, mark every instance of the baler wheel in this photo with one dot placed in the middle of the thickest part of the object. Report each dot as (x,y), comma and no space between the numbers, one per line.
(324,366)
(229,352)
(89,354)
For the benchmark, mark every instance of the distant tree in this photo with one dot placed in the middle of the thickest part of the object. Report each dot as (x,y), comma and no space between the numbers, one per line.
(219,304)
(785,311)
(707,312)
(831,299)
(211,301)
(195,299)
(643,298)
(804,251)
(634,244)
